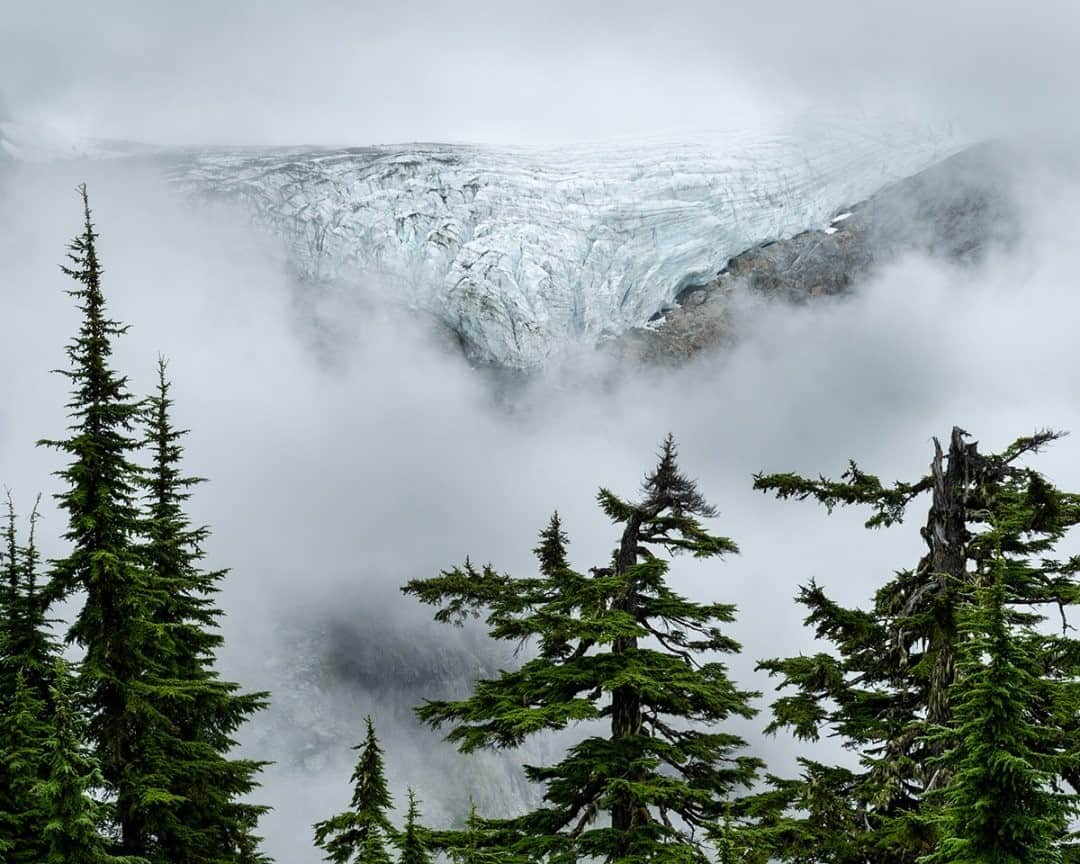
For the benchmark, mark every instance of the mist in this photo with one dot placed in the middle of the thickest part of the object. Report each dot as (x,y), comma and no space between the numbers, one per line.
(331,72)
(350,447)
(346,460)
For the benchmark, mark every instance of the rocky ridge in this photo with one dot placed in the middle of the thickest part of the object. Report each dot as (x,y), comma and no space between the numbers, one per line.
(954,210)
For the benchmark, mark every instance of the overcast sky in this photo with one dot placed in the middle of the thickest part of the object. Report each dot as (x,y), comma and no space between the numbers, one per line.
(338,72)
(332,486)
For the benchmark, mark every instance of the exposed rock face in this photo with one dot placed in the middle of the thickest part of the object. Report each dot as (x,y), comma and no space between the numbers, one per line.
(953,210)
(331,667)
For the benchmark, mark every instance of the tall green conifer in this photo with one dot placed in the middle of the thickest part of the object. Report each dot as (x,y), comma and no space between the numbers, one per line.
(412,840)
(27,654)
(359,835)
(103,524)
(1002,803)
(892,670)
(201,818)
(74,819)
(617,646)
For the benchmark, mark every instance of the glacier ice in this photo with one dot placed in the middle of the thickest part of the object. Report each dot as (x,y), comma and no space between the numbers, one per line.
(524,251)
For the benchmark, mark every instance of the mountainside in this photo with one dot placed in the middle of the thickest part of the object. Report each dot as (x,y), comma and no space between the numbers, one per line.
(525,252)
(954,210)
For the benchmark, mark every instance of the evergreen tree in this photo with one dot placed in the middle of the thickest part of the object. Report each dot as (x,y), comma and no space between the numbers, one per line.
(26,656)
(27,646)
(618,645)
(201,818)
(1001,804)
(413,844)
(72,833)
(23,732)
(894,666)
(479,843)
(103,525)
(359,835)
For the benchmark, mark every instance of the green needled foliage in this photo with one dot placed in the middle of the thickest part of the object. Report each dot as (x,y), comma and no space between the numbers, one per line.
(196,814)
(26,659)
(359,835)
(103,525)
(159,720)
(23,731)
(617,646)
(1003,803)
(72,832)
(892,670)
(413,841)
(479,843)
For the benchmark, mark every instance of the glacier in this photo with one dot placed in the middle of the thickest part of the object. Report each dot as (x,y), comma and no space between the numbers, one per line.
(525,251)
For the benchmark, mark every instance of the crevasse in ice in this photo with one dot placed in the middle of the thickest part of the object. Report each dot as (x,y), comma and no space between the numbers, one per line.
(523,251)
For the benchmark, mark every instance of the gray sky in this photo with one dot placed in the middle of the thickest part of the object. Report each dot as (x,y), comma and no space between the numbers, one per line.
(331,71)
(345,482)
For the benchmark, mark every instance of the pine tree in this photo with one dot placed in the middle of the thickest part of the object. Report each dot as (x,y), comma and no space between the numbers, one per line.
(620,646)
(1001,804)
(412,842)
(103,525)
(359,835)
(202,817)
(894,666)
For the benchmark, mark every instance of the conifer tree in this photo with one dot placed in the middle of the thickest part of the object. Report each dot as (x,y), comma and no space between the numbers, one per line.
(103,561)
(28,647)
(26,656)
(413,844)
(617,646)
(479,843)
(891,675)
(201,818)
(72,833)
(23,732)
(359,835)
(1002,803)
(160,719)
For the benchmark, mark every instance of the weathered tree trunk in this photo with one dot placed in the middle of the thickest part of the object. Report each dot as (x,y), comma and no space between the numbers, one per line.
(943,568)
(946,562)
(626,718)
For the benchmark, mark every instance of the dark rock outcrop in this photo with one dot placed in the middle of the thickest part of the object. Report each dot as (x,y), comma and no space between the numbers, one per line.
(955,210)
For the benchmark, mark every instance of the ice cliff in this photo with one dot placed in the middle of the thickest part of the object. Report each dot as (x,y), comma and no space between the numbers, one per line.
(524,251)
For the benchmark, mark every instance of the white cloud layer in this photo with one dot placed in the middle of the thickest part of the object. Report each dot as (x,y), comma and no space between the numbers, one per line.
(337,475)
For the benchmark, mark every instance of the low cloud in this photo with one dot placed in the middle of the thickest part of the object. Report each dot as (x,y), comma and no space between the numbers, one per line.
(337,474)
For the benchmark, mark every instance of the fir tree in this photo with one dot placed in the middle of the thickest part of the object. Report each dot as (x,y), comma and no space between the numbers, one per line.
(23,733)
(28,647)
(619,646)
(412,842)
(201,818)
(479,843)
(1003,803)
(72,833)
(359,835)
(894,666)
(103,526)
(26,657)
